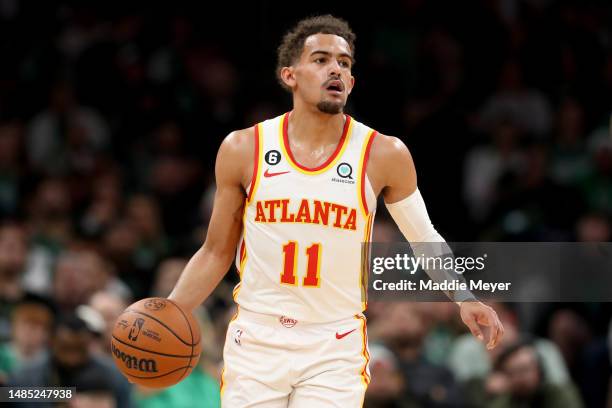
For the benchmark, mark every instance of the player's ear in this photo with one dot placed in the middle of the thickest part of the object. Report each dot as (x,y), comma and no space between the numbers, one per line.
(352,84)
(288,76)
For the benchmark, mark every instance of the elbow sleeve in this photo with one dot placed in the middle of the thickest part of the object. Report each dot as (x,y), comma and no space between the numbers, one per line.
(411,217)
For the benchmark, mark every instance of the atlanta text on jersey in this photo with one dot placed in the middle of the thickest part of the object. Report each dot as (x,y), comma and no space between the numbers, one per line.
(309,212)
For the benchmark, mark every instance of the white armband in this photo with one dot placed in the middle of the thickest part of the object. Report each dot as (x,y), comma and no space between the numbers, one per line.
(411,217)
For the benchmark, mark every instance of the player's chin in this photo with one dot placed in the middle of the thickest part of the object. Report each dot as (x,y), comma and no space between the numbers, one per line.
(331,107)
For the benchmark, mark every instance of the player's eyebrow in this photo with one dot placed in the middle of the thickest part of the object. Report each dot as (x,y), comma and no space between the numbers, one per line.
(329,54)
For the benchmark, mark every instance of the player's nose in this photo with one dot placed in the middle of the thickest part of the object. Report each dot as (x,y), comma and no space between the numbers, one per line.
(334,68)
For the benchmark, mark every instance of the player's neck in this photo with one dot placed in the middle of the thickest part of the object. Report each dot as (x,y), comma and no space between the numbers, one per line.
(315,127)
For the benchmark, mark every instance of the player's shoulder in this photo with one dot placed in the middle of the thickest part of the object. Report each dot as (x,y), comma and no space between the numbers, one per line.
(238,138)
(238,144)
(386,147)
(235,157)
(390,163)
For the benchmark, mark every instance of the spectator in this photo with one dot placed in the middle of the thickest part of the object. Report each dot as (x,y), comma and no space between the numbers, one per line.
(527,108)
(109,305)
(94,389)
(596,187)
(104,205)
(13,256)
(66,136)
(120,246)
(143,213)
(403,330)
(31,323)
(80,273)
(569,161)
(49,215)
(486,165)
(70,359)
(12,168)
(524,382)
(468,358)
(388,385)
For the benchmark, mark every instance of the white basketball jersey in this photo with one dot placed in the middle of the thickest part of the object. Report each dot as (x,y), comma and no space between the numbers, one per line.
(300,254)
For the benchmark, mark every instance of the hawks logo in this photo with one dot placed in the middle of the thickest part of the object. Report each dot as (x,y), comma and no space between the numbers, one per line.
(155,304)
(287,321)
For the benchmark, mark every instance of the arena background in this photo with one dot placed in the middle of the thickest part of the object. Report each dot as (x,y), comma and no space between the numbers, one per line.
(110,119)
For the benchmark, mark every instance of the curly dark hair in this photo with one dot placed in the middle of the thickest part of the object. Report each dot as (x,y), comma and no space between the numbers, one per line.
(292,45)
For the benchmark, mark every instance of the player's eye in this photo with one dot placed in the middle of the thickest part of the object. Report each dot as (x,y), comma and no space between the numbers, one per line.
(344,64)
(320,60)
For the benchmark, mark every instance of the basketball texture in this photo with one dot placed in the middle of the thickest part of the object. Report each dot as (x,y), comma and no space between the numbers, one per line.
(155,343)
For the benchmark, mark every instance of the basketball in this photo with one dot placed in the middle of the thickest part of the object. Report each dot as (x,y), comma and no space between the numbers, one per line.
(155,343)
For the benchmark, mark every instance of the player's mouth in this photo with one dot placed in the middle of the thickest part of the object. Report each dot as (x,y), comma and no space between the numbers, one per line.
(335,87)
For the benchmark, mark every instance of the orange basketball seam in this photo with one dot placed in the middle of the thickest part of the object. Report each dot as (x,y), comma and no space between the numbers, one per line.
(151,351)
(190,333)
(163,324)
(186,320)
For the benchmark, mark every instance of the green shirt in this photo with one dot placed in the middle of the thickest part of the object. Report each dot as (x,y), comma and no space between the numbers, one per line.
(8,359)
(197,390)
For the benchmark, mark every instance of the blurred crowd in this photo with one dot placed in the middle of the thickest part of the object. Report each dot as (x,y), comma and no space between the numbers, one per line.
(111,116)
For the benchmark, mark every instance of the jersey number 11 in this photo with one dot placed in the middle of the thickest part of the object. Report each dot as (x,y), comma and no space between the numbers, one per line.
(313,269)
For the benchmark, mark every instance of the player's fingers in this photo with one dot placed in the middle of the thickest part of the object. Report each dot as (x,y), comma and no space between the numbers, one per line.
(496,331)
(492,337)
(471,323)
(486,317)
(500,330)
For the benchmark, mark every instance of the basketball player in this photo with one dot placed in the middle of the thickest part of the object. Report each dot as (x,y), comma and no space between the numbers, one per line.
(296,197)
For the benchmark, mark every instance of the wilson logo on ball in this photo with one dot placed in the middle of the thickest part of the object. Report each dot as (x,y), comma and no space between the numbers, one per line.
(143,364)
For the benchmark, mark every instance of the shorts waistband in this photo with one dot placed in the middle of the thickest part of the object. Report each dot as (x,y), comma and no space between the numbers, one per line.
(283,320)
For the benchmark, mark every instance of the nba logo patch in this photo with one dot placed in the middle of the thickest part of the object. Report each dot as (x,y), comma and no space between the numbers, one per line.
(135,330)
(237,336)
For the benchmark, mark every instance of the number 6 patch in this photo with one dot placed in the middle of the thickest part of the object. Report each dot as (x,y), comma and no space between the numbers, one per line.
(272,157)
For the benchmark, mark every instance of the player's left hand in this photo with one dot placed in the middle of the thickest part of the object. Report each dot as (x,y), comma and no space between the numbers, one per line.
(476,314)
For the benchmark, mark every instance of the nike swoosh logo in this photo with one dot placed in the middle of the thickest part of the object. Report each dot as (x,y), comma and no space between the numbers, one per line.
(267,174)
(340,336)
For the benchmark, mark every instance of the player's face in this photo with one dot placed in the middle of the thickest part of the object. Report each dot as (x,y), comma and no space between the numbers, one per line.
(322,76)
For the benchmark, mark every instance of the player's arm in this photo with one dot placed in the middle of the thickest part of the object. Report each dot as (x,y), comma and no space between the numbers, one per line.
(392,172)
(211,262)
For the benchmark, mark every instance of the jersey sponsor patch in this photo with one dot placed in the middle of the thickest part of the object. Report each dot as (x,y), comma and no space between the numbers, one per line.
(345,170)
(345,174)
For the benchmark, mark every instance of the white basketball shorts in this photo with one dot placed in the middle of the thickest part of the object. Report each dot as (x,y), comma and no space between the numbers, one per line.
(274,362)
